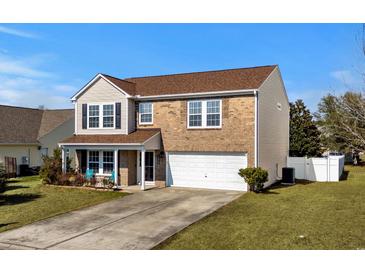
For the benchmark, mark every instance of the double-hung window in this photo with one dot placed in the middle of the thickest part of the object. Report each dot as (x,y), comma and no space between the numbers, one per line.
(108,162)
(101,115)
(205,114)
(195,114)
(94,160)
(145,113)
(101,162)
(94,116)
(108,116)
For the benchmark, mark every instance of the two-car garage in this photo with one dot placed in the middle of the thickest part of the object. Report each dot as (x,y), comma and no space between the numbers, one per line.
(215,170)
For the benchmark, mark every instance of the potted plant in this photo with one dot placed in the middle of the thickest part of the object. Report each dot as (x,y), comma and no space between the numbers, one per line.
(255,177)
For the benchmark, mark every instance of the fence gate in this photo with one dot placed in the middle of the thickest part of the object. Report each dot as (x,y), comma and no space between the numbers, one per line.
(10,166)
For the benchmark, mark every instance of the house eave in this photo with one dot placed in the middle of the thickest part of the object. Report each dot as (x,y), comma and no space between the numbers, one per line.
(196,95)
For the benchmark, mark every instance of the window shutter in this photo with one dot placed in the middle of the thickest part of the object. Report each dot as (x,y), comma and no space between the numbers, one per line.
(84,116)
(117,115)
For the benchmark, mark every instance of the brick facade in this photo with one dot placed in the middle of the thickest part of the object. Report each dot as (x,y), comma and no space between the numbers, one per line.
(236,134)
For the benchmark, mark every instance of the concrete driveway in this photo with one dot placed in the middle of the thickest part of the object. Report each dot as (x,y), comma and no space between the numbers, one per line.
(138,221)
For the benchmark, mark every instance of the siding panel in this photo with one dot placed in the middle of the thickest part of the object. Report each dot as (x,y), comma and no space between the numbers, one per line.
(102,92)
(273,141)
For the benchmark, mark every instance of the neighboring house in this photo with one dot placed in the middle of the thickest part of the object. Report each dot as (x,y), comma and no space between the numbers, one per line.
(27,133)
(188,130)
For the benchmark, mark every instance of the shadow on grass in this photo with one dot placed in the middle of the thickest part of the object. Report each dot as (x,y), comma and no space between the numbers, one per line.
(14,199)
(6,224)
(10,186)
(279,185)
(345,175)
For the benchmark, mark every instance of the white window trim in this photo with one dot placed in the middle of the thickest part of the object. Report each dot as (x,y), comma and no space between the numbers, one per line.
(101,115)
(140,114)
(204,114)
(101,167)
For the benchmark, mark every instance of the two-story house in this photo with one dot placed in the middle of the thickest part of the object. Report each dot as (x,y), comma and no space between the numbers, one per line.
(188,130)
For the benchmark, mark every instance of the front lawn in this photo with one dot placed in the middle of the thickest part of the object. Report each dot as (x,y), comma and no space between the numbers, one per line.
(304,216)
(27,200)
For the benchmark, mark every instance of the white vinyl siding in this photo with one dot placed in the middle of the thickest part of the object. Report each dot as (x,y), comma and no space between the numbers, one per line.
(273,126)
(102,92)
(204,114)
(216,170)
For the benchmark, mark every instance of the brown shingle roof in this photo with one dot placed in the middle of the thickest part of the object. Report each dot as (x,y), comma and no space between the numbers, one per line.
(128,87)
(20,125)
(54,118)
(220,80)
(137,137)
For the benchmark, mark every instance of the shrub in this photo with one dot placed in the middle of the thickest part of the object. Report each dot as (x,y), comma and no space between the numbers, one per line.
(255,177)
(51,170)
(2,178)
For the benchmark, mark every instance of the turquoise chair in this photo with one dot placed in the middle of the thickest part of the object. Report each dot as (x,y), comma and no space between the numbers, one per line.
(89,174)
(112,177)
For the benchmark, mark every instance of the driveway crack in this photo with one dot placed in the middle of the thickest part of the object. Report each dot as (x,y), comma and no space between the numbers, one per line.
(106,224)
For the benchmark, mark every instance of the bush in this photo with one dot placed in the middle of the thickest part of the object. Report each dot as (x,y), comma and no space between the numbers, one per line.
(2,178)
(255,177)
(51,170)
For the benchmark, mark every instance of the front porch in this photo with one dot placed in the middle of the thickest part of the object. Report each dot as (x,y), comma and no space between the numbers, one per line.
(140,164)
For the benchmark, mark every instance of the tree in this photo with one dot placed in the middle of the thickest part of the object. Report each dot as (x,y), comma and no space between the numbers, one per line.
(342,121)
(304,134)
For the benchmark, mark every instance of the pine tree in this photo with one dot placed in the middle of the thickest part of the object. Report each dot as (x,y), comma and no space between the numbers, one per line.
(304,134)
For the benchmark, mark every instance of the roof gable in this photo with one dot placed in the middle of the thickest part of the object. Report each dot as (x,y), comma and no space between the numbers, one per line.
(54,118)
(123,86)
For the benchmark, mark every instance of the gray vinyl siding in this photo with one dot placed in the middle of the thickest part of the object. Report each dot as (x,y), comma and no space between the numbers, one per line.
(102,92)
(273,129)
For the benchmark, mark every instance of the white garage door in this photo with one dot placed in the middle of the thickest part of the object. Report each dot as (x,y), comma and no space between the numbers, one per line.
(207,170)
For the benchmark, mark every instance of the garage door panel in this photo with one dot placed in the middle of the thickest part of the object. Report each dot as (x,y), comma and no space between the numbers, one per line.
(207,170)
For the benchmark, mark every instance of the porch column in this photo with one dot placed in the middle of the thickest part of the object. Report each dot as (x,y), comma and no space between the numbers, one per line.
(116,168)
(143,186)
(63,155)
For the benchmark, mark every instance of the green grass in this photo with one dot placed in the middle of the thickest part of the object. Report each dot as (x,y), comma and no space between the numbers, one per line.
(27,200)
(327,215)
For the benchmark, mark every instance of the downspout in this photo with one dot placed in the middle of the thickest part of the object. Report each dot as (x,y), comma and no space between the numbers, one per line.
(256,128)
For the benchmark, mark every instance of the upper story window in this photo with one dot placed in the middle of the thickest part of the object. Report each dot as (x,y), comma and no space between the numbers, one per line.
(108,115)
(145,113)
(94,116)
(101,116)
(205,114)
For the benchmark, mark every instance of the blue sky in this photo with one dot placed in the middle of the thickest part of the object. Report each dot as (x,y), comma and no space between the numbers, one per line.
(44,64)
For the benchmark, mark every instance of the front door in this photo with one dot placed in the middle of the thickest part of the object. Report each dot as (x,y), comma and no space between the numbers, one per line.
(149,166)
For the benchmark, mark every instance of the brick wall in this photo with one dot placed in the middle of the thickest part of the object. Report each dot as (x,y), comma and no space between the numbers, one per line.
(236,134)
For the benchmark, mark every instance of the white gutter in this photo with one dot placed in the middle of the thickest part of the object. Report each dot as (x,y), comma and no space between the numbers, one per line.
(256,128)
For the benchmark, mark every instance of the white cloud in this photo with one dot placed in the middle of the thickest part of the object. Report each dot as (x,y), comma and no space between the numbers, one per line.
(19,33)
(25,67)
(344,76)
(65,88)
(24,82)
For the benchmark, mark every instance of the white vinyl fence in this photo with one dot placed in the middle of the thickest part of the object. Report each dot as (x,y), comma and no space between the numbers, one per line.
(325,169)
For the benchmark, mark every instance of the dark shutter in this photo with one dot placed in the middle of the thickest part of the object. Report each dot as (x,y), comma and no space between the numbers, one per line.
(84,116)
(117,115)
(83,161)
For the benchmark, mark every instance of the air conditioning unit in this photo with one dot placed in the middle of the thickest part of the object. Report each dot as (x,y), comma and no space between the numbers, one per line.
(25,160)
